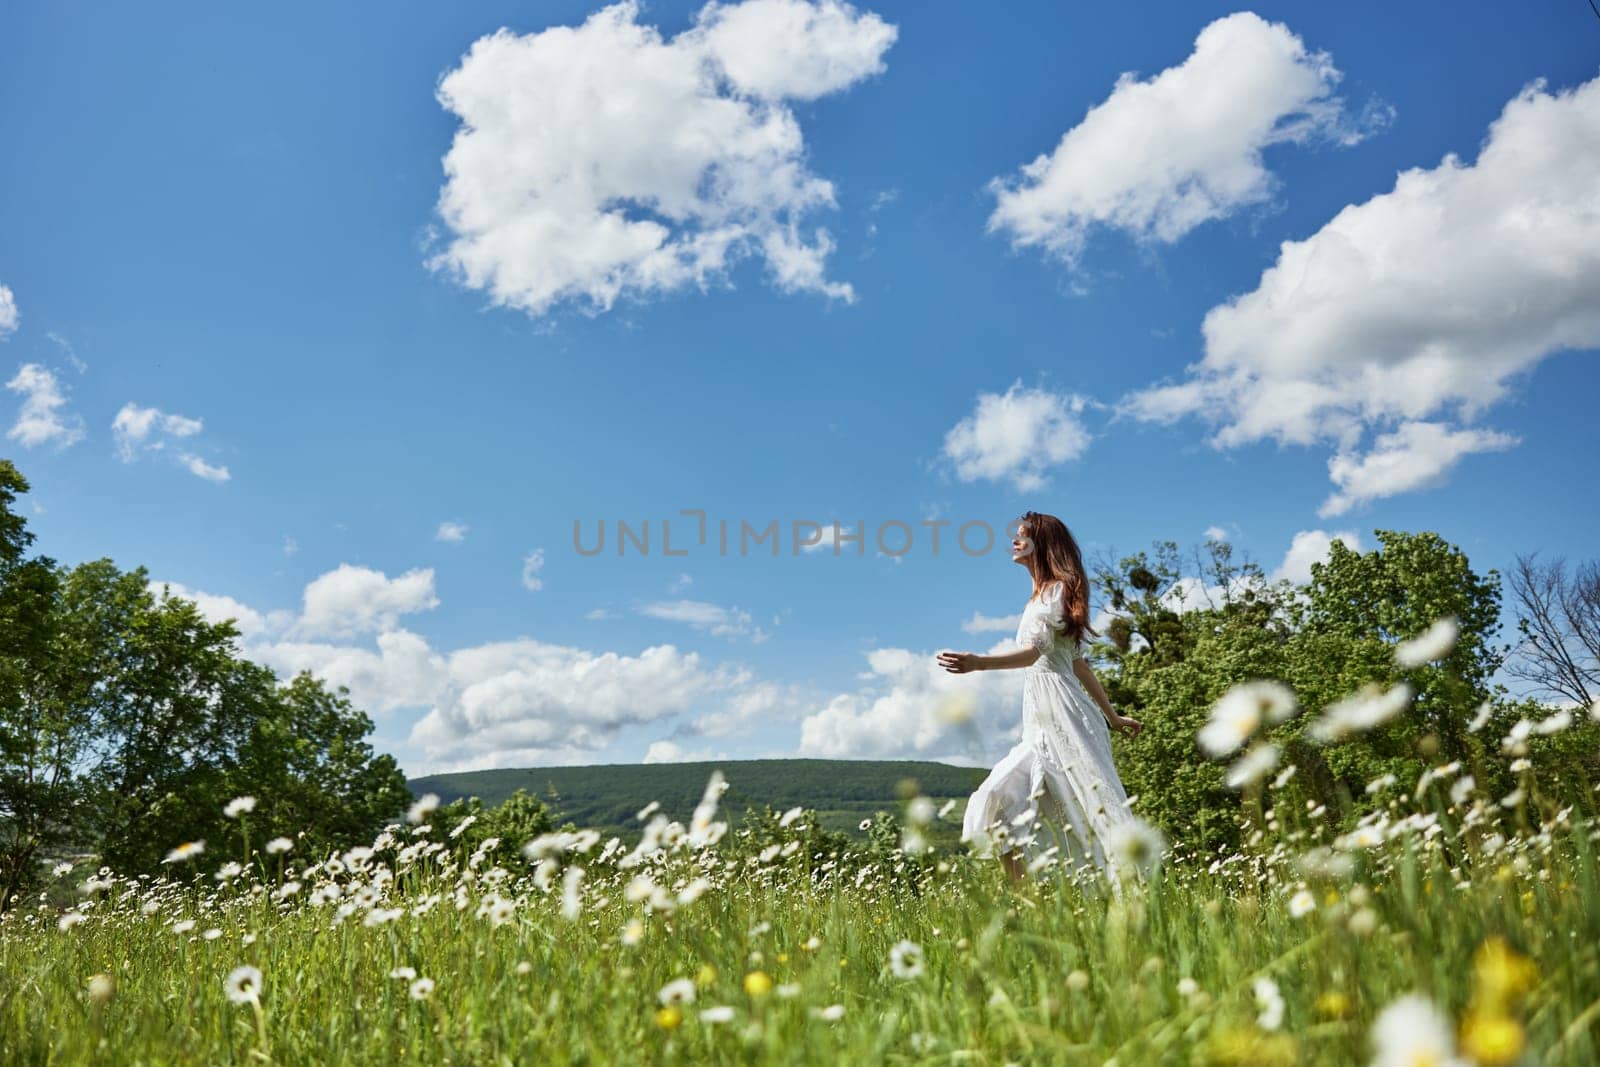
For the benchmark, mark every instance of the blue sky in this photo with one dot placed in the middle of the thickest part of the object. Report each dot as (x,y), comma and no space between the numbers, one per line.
(261,341)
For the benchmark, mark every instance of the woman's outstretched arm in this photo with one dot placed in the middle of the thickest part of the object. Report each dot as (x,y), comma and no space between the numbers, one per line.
(962,662)
(1097,692)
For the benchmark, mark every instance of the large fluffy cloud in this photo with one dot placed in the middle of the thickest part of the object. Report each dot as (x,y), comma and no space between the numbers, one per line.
(1312,546)
(529,695)
(43,419)
(1017,436)
(908,706)
(601,160)
(1411,313)
(519,700)
(352,600)
(1159,157)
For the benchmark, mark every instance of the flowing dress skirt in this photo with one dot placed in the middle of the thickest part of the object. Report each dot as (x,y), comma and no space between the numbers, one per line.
(1058,787)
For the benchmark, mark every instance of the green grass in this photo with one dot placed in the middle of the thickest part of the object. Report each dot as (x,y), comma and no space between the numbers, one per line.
(998,984)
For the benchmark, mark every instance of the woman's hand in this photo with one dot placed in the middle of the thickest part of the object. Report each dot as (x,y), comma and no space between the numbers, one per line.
(1122,724)
(960,662)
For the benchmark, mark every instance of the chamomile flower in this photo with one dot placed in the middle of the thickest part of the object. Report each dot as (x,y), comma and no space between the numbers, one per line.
(243,985)
(1432,644)
(906,960)
(185,852)
(239,806)
(422,807)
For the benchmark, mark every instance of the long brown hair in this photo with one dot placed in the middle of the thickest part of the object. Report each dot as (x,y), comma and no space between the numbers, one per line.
(1056,559)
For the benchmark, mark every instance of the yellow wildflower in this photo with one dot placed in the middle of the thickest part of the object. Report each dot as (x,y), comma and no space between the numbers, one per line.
(669,1017)
(757,983)
(1333,1005)
(1491,1039)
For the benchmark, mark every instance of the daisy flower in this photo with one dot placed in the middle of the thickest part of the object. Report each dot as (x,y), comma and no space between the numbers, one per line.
(905,959)
(1432,644)
(243,985)
(239,806)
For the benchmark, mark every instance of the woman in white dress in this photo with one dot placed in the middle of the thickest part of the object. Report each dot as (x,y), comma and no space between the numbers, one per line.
(1061,773)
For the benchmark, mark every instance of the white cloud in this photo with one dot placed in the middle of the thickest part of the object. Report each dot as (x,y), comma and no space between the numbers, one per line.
(1017,436)
(1312,546)
(136,430)
(250,623)
(1415,309)
(603,160)
(402,672)
(352,600)
(499,703)
(526,694)
(996,624)
(201,469)
(1216,533)
(532,564)
(42,420)
(1159,157)
(9,315)
(680,583)
(897,711)
(1415,456)
(714,619)
(451,533)
(672,752)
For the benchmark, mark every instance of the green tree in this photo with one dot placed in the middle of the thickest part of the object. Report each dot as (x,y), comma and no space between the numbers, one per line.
(1169,661)
(128,721)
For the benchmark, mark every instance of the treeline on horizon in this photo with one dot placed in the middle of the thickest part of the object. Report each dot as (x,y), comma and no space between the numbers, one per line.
(608,797)
(128,720)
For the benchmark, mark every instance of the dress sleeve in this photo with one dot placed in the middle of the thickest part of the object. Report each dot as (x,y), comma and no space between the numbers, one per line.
(1042,630)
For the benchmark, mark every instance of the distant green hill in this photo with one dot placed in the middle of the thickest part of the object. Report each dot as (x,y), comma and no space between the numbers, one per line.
(607,797)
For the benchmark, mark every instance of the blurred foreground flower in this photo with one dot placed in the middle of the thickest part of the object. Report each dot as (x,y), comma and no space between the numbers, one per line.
(1241,711)
(1368,707)
(185,852)
(905,959)
(1411,1031)
(1432,644)
(1137,845)
(239,806)
(422,807)
(956,708)
(243,985)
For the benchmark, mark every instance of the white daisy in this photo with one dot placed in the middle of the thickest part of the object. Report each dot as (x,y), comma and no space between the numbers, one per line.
(1241,711)
(422,807)
(243,985)
(239,806)
(677,991)
(422,989)
(1432,644)
(1412,1031)
(1137,845)
(905,959)
(1252,766)
(185,852)
(1269,1004)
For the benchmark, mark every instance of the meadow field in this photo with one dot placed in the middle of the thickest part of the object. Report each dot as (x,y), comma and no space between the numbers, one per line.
(1443,927)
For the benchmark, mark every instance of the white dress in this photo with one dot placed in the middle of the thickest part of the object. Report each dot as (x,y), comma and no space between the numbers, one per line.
(1058,787)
